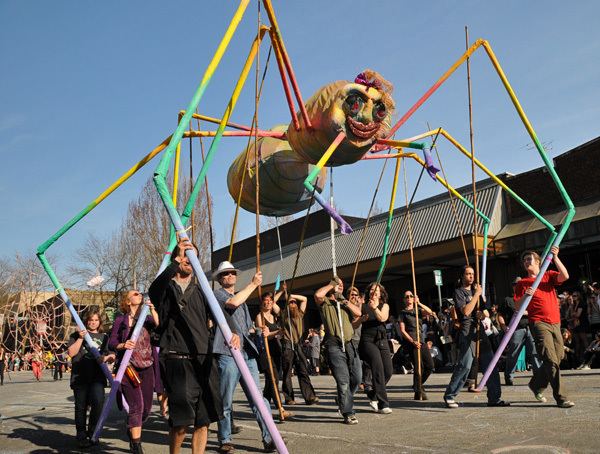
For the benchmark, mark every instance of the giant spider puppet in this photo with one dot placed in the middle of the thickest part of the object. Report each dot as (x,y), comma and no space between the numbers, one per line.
(361,110)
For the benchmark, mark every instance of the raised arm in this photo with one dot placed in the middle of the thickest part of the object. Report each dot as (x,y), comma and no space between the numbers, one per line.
(563,274)
(159,286)
(354,310)
(76,346)
(323,291)
(468,308)
(240,297)
(424,308)
(303,302)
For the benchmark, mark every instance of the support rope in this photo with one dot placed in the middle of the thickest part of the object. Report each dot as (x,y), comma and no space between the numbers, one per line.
(246,159)
(366,227)
(454,210)
(414,283)
(475,250)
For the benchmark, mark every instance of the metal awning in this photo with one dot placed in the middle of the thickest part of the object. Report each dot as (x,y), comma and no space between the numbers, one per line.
(533,225)
(432,223)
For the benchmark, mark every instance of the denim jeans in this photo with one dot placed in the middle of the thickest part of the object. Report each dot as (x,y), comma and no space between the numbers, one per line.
(521,338)
(347,372)
(230,376)
(461,370)
(91,394)
(356,371)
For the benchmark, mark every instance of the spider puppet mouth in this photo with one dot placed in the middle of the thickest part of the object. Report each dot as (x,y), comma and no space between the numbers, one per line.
(361,130)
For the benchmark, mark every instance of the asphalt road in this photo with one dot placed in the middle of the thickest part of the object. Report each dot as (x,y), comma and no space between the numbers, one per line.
(38,418)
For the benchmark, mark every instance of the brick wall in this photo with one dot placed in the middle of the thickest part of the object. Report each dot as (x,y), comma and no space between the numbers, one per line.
(578,169)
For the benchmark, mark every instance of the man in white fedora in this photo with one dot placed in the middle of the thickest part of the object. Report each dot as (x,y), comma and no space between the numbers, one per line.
(235,304)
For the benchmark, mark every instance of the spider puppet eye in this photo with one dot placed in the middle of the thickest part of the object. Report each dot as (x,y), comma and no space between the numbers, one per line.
(354,103)
(379,111)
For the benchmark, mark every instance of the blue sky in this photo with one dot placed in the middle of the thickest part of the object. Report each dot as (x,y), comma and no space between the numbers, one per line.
(88,88)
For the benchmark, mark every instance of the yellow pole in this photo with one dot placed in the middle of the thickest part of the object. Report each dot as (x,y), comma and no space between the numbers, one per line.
(132,170)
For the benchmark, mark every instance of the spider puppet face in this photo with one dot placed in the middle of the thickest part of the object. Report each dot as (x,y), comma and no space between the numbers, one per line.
(362,109)
(366,107)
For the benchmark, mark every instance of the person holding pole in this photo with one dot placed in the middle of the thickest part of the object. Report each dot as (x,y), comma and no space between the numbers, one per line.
(87,379)
(544,321)
(191,376)
(139,382)
(340,351)
(466,297)
(521,338)
(235,304)
(410,328)
(373,346)
(292,323)
(270,357)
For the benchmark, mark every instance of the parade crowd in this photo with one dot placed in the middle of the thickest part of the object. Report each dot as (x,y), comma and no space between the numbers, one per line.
(183,357)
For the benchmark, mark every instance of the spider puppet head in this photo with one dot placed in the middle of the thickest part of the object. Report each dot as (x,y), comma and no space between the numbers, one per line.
(367,106)
(362,109)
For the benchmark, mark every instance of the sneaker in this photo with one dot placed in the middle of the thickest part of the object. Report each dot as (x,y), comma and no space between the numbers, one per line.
(374,405)
(350,420)
(500,403)
(451,403)
(314,400)
(235,429)
(385,410)
(290,402)
(566,404)
(226,448)
(538,396)
(586,367)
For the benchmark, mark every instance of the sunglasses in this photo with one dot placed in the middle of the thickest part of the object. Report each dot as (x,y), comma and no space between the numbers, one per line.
(353,294)
(229,273)
(409,296)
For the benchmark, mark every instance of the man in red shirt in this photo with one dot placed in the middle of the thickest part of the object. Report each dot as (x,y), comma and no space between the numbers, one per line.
(544,321)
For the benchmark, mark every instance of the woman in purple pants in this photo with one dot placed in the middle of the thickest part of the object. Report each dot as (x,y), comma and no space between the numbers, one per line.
(139,380)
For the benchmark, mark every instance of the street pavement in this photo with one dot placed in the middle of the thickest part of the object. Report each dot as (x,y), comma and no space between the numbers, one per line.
(38,418)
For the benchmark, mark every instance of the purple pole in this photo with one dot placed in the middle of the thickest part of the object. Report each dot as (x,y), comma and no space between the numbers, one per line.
(513,323)
(217,312)
(235,353)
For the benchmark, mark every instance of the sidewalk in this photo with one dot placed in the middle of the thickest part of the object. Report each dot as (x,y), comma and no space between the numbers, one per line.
(38,418)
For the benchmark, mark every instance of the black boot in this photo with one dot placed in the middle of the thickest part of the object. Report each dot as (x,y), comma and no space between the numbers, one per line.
(136,446)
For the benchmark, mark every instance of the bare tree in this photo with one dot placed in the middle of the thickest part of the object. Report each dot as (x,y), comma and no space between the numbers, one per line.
(105,257)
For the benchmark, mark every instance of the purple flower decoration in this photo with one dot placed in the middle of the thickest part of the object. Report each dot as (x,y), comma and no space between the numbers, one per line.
(362,79)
